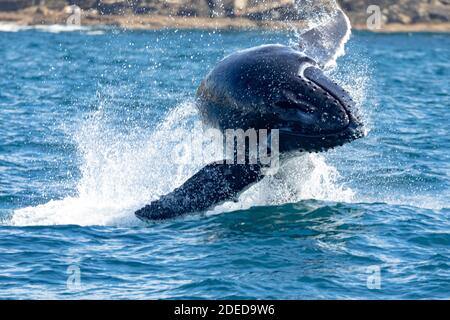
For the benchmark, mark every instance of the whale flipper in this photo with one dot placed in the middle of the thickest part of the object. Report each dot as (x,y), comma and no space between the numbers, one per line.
(326,42)
(253,89)
(212,185)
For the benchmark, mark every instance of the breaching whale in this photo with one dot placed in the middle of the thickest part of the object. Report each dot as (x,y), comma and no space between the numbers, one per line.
(267,87)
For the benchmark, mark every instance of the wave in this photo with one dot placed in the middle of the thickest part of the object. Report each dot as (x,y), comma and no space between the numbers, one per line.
(121,172)
(54,28)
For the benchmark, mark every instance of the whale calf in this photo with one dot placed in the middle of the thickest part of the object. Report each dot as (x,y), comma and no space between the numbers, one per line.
(270,87)
(267,87)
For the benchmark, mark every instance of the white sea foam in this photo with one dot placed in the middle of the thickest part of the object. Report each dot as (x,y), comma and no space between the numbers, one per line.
(121,173)
(307,176)
(12,27)
(58,28)
(53,28)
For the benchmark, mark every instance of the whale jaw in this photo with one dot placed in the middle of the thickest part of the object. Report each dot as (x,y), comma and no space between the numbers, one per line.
(317,115)
(276,87)
(261,88)
(292,141)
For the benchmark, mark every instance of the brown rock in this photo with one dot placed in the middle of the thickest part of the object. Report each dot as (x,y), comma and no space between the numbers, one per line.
(14,5)
(55,4)
(194,8)
(85,4)
(401,12)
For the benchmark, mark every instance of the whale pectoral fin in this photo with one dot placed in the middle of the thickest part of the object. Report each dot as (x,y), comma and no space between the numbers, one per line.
(213,184)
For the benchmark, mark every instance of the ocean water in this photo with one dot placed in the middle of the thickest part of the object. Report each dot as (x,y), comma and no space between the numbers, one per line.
(89,120)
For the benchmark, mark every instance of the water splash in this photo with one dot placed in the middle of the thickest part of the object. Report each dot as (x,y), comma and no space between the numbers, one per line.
(122,172)
(327,31)
(307,176)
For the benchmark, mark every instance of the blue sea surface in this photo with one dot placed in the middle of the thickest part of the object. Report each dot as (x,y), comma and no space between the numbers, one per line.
(88,121)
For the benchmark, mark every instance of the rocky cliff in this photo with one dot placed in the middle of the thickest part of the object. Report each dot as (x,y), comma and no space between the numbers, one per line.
(400,11)
(404,12)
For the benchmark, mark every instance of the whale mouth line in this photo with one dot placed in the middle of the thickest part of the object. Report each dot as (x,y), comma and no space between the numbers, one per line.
(322,142)
(347,131)
(341,96)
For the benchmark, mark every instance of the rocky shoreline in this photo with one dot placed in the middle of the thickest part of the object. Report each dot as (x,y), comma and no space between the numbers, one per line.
(189,14)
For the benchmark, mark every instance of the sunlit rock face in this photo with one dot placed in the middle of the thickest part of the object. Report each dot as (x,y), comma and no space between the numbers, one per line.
(393,11)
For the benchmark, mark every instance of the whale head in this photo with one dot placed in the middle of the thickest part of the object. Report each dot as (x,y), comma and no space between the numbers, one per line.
(315,113)
(277,87)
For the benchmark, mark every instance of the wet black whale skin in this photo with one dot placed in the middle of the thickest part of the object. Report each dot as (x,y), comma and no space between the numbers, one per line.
(261,88)
(268,87)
